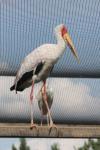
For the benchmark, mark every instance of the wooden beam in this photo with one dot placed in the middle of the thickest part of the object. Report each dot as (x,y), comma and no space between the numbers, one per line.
(23,130)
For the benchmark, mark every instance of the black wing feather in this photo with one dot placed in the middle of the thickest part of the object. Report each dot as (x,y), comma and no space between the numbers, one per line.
(39,68)
(26,77)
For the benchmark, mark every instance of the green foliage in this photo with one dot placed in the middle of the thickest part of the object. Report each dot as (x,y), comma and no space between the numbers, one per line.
(55,147)
(23,145)
(13,147)
(91,145)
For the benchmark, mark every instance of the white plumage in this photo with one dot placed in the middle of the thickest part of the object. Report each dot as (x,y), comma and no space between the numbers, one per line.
(47,53)
(37,65)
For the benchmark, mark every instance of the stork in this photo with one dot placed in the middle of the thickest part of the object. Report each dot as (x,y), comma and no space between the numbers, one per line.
(38,64)
(42,105)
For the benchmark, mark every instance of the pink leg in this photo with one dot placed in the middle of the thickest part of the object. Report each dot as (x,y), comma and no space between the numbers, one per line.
(47,120)
(45,100)
(31,94)
(31,100)
(49,114)
(41,118)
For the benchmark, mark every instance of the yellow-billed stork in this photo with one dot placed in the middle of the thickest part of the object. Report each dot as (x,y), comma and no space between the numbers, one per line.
(37,65)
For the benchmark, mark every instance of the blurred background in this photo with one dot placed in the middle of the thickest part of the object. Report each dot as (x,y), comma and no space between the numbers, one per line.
(25,25)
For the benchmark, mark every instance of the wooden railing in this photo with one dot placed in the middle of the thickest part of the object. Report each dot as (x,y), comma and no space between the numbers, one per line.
(22,130)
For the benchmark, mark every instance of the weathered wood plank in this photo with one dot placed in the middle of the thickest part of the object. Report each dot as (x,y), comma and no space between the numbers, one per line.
(23,130)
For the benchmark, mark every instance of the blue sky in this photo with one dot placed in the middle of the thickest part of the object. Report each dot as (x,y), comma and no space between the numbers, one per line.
(6,143)
(26,24)
(42,144)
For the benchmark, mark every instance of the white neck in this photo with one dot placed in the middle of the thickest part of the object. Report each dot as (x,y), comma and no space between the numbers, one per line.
(60,42)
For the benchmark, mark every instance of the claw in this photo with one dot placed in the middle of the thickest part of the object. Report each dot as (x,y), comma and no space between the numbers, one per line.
(36,127)
(52,127)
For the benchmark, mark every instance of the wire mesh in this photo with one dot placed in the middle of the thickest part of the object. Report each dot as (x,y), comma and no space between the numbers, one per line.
(75,101)
(26,24)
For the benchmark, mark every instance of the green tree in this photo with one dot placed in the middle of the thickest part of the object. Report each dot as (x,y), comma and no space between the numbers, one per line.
(91,145)
(13,147)
(55,147)
(23,145)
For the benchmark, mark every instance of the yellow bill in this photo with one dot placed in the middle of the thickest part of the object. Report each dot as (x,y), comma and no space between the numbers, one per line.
(68,39)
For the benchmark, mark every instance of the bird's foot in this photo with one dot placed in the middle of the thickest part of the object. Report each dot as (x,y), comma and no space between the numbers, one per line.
(52,127)
(34,126)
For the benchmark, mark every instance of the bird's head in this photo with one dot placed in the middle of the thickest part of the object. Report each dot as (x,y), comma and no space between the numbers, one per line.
(62,30)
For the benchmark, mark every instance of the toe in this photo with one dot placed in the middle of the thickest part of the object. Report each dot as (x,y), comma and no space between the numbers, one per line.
(33,126)
(36,128)
(53,127)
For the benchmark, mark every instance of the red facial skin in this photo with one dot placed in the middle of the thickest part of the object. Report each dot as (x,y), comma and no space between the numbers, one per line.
(64,31)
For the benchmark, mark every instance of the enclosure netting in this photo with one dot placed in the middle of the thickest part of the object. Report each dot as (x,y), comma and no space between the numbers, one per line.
(27,24)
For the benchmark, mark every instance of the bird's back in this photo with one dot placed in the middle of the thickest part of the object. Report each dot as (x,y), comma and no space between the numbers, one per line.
(43,53)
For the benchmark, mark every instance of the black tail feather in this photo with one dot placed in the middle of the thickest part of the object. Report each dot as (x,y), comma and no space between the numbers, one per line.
(17,89)
(12,88)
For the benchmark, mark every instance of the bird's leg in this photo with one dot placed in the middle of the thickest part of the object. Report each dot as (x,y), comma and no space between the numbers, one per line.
(31,100)
(48,120)
(45,101)
(51,124)
(41,118)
